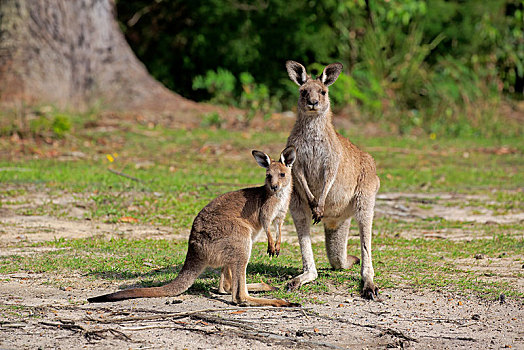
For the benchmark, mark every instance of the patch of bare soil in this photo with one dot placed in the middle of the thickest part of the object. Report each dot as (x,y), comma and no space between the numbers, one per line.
(36,313)
(449,206)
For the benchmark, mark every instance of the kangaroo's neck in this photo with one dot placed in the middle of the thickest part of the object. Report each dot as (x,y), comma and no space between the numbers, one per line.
(275,202)
(314,124)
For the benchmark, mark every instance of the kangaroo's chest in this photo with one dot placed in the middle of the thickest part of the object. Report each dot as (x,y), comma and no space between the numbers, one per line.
(314,153)
(273,209)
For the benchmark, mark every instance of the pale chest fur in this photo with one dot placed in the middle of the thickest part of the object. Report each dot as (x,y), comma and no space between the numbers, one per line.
(274,208)
(282,205)
(317,149)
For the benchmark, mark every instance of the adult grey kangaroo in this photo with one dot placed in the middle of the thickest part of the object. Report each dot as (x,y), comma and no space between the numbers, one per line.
(222,236)
(333,181)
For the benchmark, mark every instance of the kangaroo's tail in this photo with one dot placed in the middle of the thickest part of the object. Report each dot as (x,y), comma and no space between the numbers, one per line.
(190,271)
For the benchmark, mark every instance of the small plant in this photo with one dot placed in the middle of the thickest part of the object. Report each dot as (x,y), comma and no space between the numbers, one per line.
(60,125)
(52,126)
(212,119)
(255,97)
(41,122)
(220,85)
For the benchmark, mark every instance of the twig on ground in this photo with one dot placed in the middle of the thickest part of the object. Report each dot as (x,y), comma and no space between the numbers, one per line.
(459,321)
(97,334)
(12,324)
(185,314)
(384,330)
(153,326)
(397,334)
(88,334)
(450,338)
(250,332)
(124,175)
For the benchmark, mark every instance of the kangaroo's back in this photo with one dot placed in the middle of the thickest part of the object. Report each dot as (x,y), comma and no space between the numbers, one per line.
(217,218)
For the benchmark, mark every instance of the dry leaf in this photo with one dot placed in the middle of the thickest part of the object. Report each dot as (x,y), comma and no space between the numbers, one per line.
(128,219)
(237,312)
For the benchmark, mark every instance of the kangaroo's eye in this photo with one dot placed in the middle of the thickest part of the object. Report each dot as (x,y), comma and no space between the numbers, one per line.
(323,92)
(269,176)
(303,92)
(282,174)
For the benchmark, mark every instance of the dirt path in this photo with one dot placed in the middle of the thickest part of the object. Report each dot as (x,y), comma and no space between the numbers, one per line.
(36,314)
(53,318)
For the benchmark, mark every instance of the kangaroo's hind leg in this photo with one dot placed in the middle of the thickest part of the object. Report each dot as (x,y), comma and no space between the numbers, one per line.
(364,216)
(237,265)
(302,219)
(224,286)
(336,238)
(240,290)
(278,223)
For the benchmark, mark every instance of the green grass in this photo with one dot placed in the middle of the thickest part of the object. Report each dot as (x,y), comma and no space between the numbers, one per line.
(180,171)
(417,263)
(184,169)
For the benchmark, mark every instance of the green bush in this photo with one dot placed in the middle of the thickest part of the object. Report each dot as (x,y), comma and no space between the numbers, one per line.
(220,85)
(56,126)
(416,64)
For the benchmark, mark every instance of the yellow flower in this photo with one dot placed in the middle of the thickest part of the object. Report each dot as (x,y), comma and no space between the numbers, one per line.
(110,158)
(433,136)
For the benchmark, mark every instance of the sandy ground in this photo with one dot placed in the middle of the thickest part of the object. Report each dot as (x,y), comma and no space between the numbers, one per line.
(35,314)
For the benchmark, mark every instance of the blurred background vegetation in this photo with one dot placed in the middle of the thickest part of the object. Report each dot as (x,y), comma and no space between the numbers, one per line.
(438,66)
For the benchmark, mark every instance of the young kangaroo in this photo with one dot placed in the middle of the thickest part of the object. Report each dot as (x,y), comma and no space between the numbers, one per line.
(333,181)
(222,236)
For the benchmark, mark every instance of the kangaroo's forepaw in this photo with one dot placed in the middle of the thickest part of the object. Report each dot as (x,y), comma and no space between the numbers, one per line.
(317,211)
(271,250)
(318,214)
(370,292)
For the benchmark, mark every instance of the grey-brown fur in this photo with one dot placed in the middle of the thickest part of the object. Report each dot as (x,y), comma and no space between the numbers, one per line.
(223,233)
(333,180)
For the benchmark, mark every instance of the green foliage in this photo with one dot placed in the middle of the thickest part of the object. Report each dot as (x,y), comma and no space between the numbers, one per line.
(254,97)
(42,122)
(220,85)
(415,64)
(212,119)
(346,91)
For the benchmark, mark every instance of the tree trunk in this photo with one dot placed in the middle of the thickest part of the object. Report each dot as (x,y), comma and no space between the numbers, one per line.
(71,53)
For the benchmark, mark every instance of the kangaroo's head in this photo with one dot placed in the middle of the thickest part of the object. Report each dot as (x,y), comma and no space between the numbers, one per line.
(278,174)
(314,97)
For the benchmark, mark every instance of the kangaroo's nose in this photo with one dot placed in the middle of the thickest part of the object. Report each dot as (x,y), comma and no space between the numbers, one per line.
(274,187)
(313,103)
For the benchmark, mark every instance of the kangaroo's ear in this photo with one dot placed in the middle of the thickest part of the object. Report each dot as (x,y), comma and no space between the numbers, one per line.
(262,159)
(296,72)
(288,156)
(331,73)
